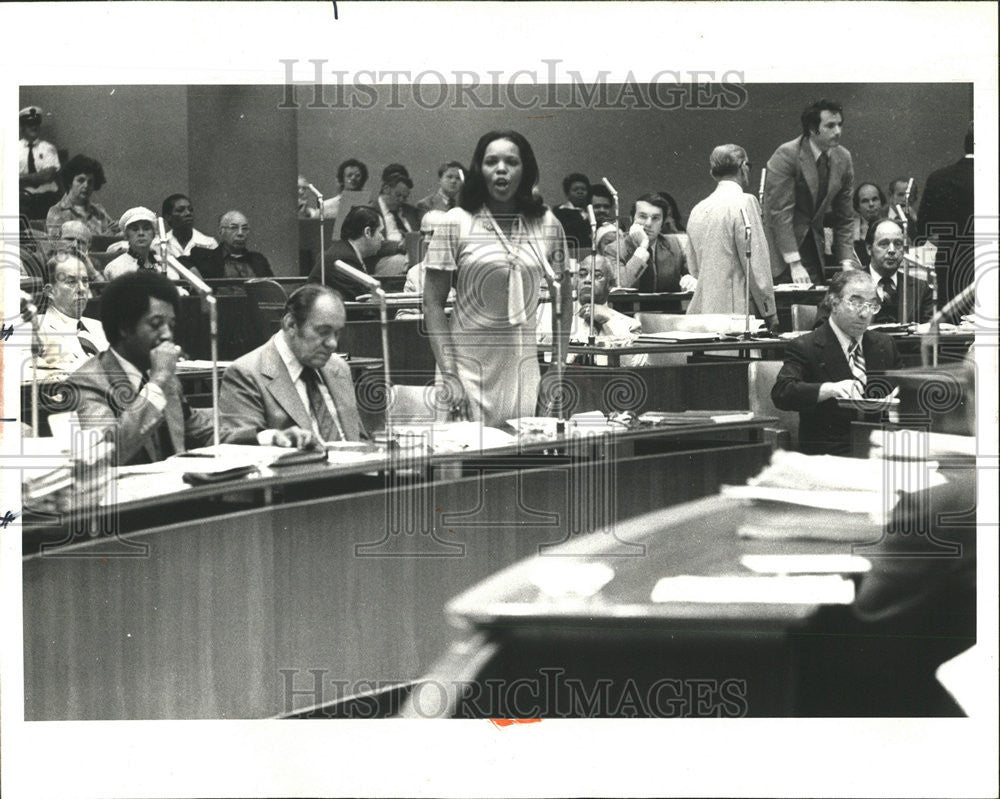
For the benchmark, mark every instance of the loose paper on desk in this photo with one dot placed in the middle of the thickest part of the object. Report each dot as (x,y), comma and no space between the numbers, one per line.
(831,589)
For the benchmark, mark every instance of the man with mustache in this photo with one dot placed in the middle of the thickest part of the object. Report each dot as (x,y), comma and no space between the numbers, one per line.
(806,178)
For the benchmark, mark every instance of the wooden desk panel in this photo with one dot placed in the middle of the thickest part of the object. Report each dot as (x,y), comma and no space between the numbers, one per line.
(204,624)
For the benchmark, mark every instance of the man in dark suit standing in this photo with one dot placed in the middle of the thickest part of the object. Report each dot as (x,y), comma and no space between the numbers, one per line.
(835,361)
(131,390)
(362,236)
(947,217)
(294,386)
(806,178)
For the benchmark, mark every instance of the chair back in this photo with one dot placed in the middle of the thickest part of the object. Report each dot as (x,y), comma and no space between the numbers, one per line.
(266,298)
(803,316)
(760,380)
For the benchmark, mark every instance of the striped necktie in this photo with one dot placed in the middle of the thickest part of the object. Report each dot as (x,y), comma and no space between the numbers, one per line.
(857,363)
(328,426)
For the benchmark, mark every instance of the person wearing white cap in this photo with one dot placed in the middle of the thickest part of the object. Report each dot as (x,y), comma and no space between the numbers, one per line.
(38,165)
(139,225)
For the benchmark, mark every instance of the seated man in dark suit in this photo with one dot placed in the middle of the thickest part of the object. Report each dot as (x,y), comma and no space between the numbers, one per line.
(131,390)
(884,242)
(231,258)
(868,202)
(294,385)
(835,361)
(362,235)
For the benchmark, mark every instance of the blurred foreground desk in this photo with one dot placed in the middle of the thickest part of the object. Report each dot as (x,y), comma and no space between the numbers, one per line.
(261,597)
(604,648)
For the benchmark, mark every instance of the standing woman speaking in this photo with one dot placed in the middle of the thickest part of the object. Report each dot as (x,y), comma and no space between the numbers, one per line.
(500,241)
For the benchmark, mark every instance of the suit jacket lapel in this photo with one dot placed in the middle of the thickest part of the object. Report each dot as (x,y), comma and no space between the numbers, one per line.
(121,386)
(281,387)
(808,166)
(349,418)
(831,356)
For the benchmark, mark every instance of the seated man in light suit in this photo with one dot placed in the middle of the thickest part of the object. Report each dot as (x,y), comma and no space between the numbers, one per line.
(293,386)
(131,390)
(67,337)
(834,362)
(609,324)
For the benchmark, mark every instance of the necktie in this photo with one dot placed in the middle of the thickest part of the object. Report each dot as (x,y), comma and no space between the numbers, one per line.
(857,362)
(823,168)
(85,343)
(888,292)
(328,426)
(32,169)
(399,222)
(162,442)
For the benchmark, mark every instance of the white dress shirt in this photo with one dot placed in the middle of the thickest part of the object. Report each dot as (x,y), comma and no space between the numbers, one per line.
(294,366)
(60,336)
(45,156)
(174,248)
(392,231)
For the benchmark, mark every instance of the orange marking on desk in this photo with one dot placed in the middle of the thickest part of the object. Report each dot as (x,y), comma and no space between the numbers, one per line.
(501,723)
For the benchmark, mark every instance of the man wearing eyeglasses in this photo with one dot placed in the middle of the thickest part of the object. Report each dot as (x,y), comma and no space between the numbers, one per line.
(68,338)
(232,258)
(835,361)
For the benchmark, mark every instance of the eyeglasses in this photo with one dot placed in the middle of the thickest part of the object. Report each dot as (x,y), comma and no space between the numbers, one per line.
(860,305)
(237,228)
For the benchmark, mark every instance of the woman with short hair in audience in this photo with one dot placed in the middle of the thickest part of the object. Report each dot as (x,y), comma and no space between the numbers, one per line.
(82,177)
(497,246)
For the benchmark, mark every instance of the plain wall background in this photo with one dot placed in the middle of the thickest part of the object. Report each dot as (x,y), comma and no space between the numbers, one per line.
(235,146)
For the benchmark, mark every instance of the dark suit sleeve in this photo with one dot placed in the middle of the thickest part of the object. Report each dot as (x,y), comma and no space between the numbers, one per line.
(263,267)
(926,310)
(792,390)
(198,428)
(130,427)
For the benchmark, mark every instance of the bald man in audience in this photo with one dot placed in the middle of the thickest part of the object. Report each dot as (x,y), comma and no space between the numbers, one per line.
(232,258)
(717,243)
(294,390)
(67,337)
(834,362)
(75,237)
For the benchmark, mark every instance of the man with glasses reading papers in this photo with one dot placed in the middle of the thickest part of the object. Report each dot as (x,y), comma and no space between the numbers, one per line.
(835,361)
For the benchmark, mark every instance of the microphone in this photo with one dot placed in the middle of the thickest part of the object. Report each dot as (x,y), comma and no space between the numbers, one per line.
(200,285)
(359,277)
(609,187)
(461,174)
(161,229)
(593,219)
(959,301)
(315,191)
(909,190)
(746,222)
(760,191)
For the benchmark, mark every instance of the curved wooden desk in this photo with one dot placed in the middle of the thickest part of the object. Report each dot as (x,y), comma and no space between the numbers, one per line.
(268,609)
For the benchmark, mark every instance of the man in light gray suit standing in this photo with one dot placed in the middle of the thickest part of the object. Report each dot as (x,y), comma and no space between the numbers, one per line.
(293,386)
(807,177)
(717,249)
